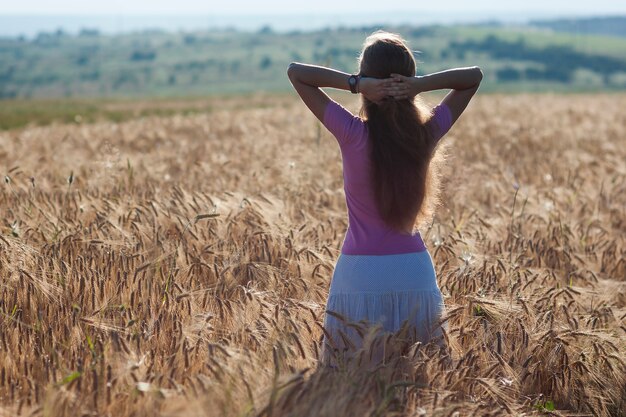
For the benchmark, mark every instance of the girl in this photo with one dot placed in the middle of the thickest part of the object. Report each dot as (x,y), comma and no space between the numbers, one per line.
(384,274)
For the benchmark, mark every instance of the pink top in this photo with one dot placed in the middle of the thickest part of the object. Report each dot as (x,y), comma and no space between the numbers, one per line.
(367,234)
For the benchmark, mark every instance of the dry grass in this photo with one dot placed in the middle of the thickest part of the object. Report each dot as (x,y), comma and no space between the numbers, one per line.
(117,299)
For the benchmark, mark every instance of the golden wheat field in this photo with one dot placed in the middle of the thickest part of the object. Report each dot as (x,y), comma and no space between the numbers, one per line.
(179,266)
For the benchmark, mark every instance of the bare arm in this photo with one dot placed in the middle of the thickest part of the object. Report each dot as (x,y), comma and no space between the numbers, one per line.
(307,80)
(464,83)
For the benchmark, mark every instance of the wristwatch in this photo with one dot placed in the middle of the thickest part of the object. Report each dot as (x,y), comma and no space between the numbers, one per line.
(353,81)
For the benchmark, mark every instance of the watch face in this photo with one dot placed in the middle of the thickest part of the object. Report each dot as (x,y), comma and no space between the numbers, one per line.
(352,82)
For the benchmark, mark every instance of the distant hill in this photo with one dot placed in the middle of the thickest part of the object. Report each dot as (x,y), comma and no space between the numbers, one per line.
(611,26)
(182,64)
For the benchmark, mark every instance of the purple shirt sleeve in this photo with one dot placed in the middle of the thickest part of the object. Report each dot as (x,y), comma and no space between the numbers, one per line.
(441,121)
(347,128)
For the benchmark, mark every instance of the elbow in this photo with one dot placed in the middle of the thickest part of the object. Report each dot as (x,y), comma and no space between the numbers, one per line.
(479,74)
(291,70)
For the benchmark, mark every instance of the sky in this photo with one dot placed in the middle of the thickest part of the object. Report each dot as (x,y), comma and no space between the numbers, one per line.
(30,17)
(566,7)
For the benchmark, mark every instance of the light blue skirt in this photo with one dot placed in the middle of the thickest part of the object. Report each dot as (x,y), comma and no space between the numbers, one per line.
(386,291)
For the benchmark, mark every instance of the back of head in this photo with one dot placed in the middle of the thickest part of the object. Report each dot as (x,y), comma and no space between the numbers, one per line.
(403,177)
(385,53)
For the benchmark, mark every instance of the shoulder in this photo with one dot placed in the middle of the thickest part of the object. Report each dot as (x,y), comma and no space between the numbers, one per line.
(440,120)
(345,126)
(335,113)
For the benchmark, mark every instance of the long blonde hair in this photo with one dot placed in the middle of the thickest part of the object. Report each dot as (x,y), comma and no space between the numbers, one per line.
(404,172)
